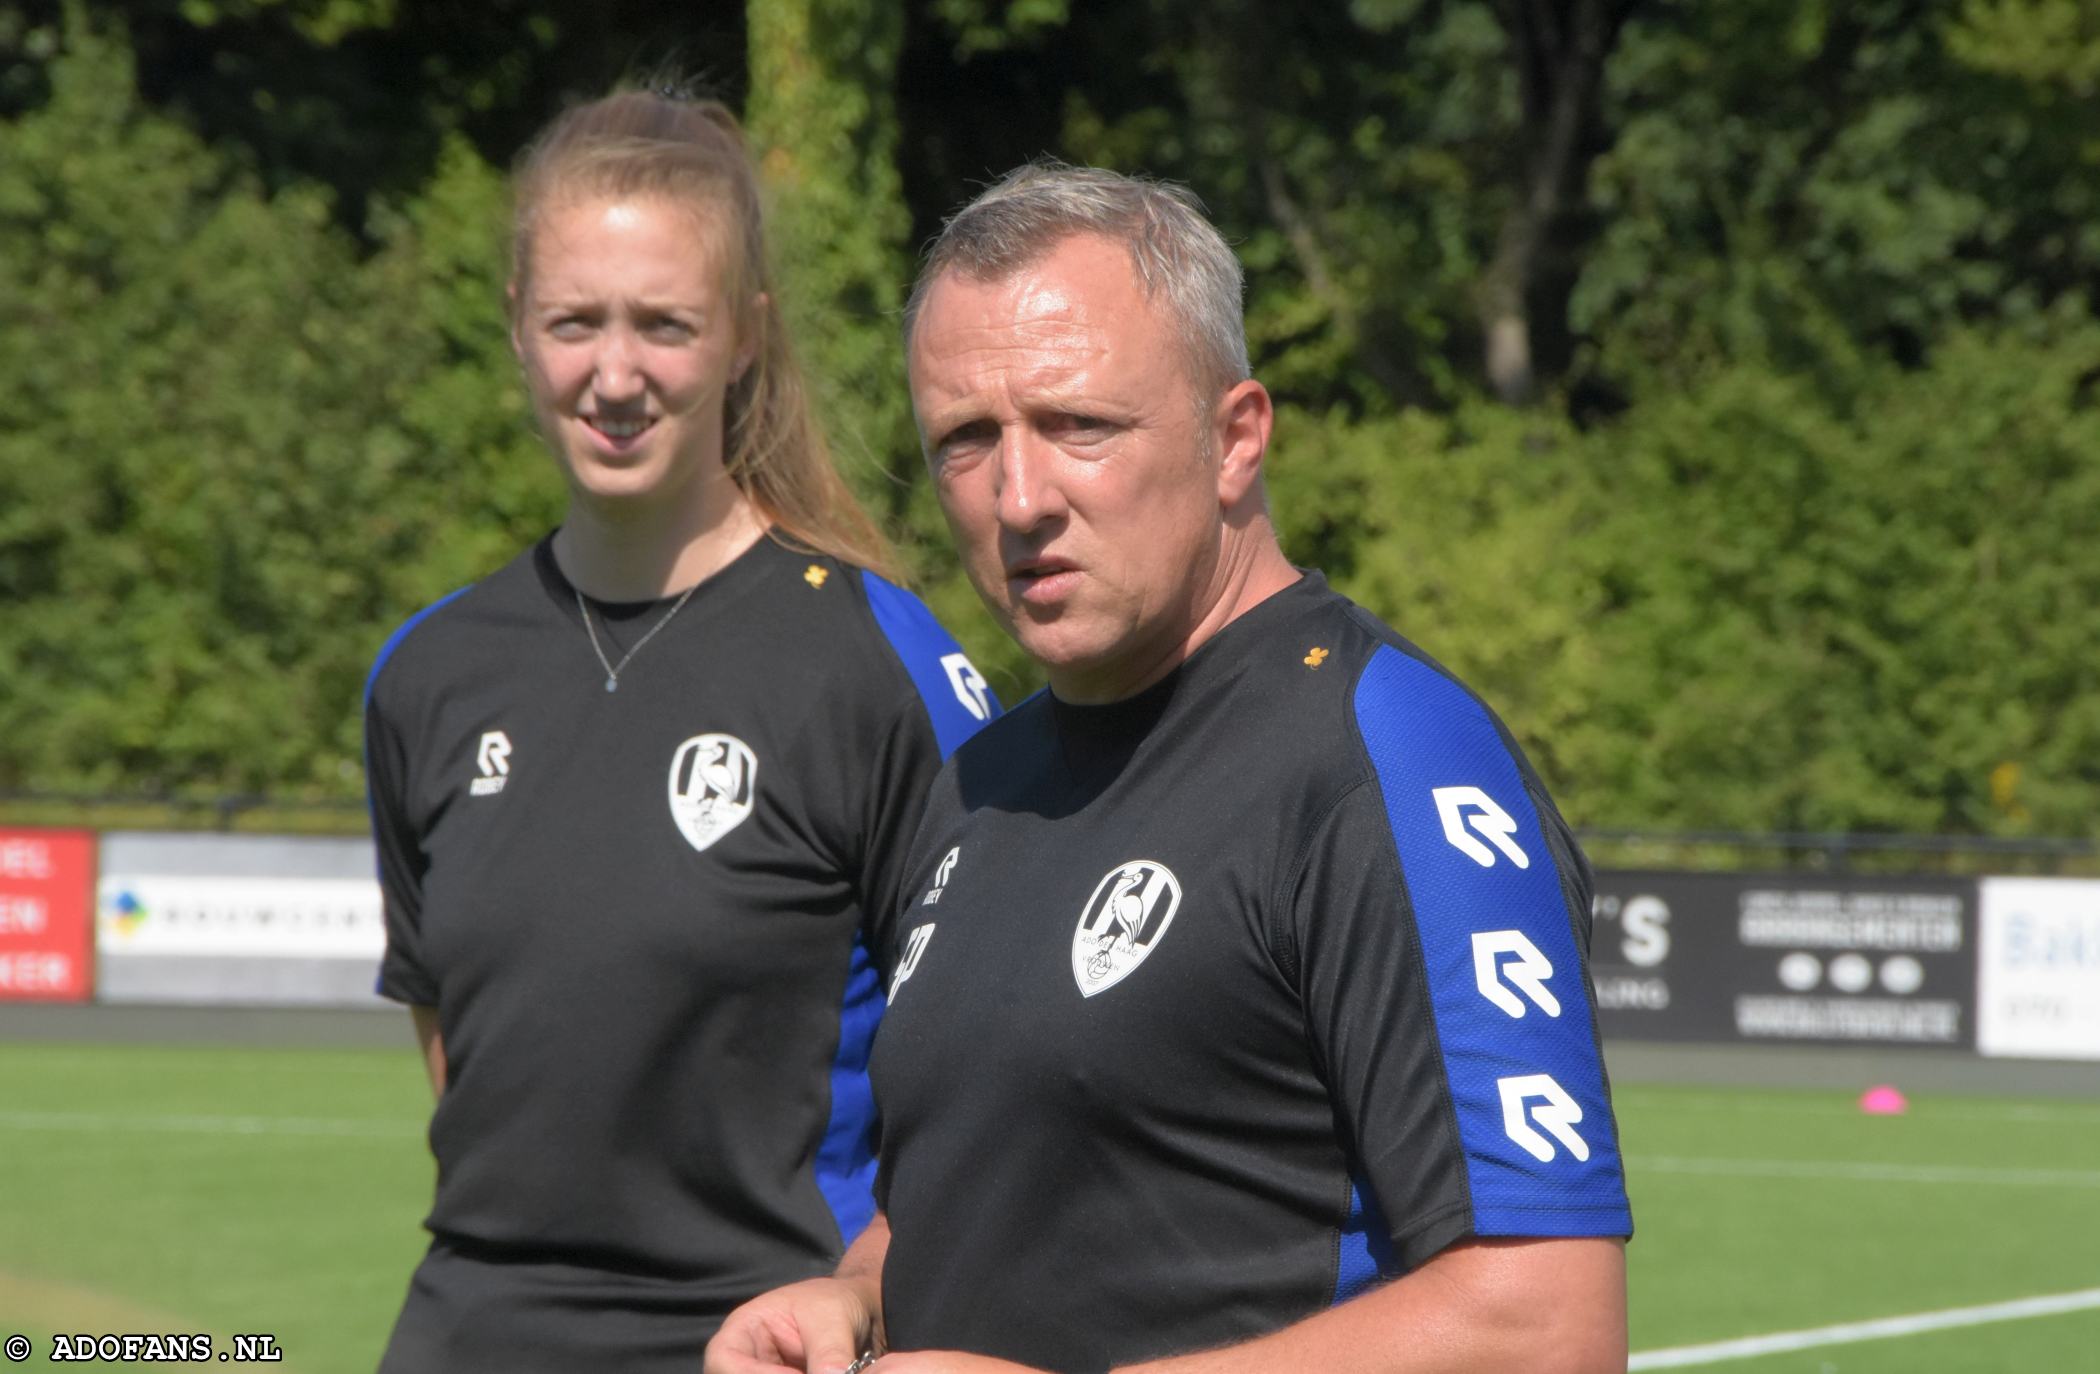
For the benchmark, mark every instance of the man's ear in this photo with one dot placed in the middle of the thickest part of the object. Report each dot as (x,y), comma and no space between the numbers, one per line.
(1241,425)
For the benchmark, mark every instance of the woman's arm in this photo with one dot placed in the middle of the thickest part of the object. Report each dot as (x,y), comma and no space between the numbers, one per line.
(433,1042)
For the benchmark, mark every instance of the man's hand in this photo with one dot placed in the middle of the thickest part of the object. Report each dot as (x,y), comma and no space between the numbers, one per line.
(819,1326)
(945,1362)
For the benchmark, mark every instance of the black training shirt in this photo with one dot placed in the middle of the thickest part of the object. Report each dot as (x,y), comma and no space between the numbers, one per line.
(646,916)
(1215,1004)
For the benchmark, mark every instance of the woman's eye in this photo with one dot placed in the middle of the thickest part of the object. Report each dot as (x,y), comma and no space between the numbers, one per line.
(569,327)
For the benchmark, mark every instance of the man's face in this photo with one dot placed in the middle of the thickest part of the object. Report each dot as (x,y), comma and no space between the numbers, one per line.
(1075,462)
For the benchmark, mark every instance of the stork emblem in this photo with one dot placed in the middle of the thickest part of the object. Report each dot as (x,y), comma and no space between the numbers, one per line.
(713,781)
(1122,923)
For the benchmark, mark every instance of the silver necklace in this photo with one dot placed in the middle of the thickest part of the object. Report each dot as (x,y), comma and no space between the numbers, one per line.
(612,670)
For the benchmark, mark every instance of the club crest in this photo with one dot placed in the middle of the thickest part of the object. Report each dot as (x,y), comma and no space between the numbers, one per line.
(714,779)
(1122,923)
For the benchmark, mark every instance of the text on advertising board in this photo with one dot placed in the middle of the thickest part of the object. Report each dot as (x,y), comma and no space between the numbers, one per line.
(45,936)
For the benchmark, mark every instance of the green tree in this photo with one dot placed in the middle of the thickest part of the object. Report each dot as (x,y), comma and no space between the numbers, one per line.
(1818,186)
(823,116)
(187,448)
(1854,615)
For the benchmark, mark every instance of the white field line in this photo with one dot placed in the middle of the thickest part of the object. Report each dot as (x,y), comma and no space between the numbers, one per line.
(1855,1172)
(211,1125)
(1764,1106)
(1779,1342)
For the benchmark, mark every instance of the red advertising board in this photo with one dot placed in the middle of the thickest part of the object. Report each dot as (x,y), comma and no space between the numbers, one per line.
(47,931)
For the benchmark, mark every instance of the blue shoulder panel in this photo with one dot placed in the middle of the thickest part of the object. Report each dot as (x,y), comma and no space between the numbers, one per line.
(958,704)
(846,1156)
(393,641)
(957,699)
(1505,980)
(1365,1252)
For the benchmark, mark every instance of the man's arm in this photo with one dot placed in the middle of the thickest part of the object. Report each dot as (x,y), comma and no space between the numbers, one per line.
(432,1039)
(1537,1306)
(819,1326)
(1480,1307)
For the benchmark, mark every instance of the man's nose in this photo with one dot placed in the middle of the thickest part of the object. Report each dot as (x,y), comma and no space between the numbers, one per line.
(1029,491)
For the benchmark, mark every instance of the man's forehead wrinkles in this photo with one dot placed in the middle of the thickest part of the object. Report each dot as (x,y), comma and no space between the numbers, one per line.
(994,334)
(1006,366)
(1021,383)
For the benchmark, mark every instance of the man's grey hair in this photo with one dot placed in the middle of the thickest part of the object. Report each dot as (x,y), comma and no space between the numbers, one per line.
(1180,258)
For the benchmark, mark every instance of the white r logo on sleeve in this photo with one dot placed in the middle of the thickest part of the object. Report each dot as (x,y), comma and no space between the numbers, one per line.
(969,685)
(1459,807)
(1556,1111)
(1527,971)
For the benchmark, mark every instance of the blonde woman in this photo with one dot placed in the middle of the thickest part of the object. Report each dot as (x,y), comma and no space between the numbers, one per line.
(641,796)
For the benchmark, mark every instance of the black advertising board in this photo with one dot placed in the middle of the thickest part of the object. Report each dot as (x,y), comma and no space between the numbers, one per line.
(1778,958)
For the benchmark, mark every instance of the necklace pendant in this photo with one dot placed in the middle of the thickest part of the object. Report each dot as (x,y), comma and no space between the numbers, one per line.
(612,684)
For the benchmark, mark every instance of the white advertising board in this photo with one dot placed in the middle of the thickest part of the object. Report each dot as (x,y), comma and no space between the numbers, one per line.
(237,920)
(2038,968)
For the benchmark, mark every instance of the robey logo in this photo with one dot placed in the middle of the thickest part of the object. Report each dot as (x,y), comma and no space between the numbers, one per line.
(940,877)
(492,757)
(1555,1110)
(1459,807)
(1122,923)
(969,685)
(713,782)
(1527,971)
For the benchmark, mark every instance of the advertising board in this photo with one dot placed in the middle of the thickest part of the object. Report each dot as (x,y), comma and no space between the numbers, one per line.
(46,941)
(2038,968)
(1788,957)
(237,920)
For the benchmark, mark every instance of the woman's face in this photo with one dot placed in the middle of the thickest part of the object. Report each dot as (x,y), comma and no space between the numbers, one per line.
(629,343)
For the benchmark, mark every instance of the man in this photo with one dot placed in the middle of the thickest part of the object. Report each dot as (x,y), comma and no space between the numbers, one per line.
(1240,1021)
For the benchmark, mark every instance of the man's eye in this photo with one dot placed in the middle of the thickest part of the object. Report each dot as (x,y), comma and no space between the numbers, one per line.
(951,452)
(965,442)
(1085,427)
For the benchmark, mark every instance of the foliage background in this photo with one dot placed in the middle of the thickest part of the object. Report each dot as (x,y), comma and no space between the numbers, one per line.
(1710,385)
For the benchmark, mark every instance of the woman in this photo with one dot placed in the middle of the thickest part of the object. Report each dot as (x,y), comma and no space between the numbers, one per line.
(640,795)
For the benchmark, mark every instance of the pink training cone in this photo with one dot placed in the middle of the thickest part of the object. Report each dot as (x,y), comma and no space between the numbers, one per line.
(1883,1100)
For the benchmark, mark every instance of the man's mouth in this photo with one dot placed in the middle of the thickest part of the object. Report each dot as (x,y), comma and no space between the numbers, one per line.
(1037,567)
(1039,576)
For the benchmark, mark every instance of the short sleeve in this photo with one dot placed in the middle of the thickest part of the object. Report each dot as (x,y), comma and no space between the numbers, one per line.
(948,702)
(403,976)
(1436,940)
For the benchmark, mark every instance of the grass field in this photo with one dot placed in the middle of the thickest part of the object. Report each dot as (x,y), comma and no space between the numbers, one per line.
(241,1191)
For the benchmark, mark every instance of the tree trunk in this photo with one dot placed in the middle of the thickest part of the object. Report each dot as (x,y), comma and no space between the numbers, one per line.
(1560,48)
(823,118)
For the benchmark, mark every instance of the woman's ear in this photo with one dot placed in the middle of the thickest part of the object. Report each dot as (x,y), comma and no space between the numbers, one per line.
(510,300)
(753,336)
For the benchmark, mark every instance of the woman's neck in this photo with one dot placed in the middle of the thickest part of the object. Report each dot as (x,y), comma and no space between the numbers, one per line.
(613,552)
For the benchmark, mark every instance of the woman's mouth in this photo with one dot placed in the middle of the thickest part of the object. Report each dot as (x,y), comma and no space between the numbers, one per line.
(619,429)
(617,438)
